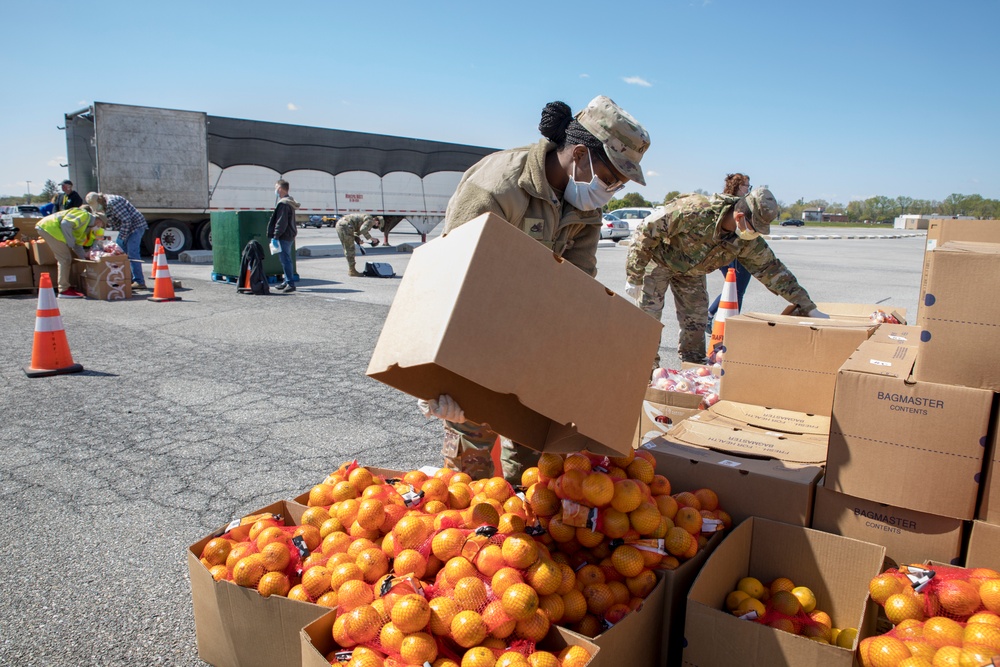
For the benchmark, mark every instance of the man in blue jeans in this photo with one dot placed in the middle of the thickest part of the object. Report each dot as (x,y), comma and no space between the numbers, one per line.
(282,227)
(131,225)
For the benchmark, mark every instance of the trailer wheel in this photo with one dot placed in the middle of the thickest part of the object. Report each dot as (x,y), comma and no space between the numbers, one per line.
(205,235)
(174,235)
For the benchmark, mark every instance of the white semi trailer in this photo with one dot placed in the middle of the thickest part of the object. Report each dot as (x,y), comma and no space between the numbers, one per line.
(177,167)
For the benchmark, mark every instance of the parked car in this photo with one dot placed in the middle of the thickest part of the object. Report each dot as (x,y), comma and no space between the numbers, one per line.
(8,213)
(613,228)
(792,223)
(633,216)
(318,221)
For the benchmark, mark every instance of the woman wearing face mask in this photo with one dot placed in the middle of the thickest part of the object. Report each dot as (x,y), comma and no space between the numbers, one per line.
(553,191)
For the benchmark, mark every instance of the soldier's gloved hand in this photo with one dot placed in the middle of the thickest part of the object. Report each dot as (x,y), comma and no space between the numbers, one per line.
(634,291)
(443,407)
(817,314)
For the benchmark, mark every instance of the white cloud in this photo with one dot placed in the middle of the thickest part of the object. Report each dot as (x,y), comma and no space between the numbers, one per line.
(56,161)
(584,76)
(652,173)
(637,81)
(83,103)
(292,107)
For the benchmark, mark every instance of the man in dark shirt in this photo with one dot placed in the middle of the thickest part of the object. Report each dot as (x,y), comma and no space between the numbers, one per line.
(69,198)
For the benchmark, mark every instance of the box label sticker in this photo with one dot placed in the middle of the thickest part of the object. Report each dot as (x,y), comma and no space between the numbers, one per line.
(931,244)
(731,464)
(10,279)
(876,362)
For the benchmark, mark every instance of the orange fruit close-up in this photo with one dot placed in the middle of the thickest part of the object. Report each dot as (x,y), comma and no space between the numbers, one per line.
(468,629)
(216,551)
(901,606)
(627,496)
(519,551)
(410,613)
(419,647)
(479,656)
(470,593)
(520,601)
(273,583)
(958,598)
(249,570)
(276,556)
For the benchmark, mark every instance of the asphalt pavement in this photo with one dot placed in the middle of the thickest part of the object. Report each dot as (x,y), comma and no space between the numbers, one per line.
(191,413)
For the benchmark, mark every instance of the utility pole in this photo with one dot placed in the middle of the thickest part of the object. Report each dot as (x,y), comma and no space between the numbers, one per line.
(29,192)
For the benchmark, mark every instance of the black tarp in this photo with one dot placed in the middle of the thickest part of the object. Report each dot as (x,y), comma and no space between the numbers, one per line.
(283,148)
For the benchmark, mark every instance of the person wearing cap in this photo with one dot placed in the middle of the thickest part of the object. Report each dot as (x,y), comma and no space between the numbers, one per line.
(67,232)
(553,191)
(69,198)
(355,227)
(131,225)
(694,235)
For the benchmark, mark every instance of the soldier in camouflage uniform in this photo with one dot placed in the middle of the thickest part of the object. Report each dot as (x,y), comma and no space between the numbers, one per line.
(553,191)
(351,226)
(694,235)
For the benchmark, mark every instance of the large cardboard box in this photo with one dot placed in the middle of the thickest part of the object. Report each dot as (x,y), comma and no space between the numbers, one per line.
(42,253)
(317,641)
(787,362)
(940,231)
(677,585)
(13,256)
(959,318)
(837,570)
(746,486)
(107,279)
(989,498)
(914,445)
(518,337)
(38,269)
(26,227)
(15,277)
(236,626)
(662,410)
(984,546)
(907,535)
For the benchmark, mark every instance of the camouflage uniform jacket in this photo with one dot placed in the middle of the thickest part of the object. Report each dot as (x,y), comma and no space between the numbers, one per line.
(689,240)
(512,184)
(355,224)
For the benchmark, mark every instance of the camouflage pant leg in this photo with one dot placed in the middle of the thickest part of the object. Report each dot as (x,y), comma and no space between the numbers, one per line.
(347,240)
(654,293)
(468,448)
(691,303)
(515,459)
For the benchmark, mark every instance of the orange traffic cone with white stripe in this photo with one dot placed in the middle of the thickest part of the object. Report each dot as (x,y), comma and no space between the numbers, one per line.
(50,353)
(728,307)
(163,284)
(156,251)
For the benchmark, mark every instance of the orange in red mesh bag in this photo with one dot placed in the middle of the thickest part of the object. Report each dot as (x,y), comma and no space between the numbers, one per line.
(954,592)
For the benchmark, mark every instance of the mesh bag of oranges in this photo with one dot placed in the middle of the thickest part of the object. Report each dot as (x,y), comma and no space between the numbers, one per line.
(944,615)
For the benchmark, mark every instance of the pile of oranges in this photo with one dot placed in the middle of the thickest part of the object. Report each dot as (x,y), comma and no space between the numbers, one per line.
(951,619)
(784,606)
(444,569)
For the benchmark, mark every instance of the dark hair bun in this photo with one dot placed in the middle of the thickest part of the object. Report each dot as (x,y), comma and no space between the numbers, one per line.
(556,117)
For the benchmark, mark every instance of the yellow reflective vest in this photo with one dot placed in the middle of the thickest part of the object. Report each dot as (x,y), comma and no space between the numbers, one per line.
(77,217)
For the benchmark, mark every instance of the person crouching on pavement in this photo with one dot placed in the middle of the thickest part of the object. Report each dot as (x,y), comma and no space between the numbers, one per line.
(352,228)
(67,233)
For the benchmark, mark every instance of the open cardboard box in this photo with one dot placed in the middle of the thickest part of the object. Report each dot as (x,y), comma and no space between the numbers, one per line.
(15,256)
(236,626)
(787,362)
(836,569)
(677,583)
(959,317)
(909,444)
(941,231)
(317,641)
(526,354)
(746,486)
(106,279)
(984,546)
(662,411)
(907,535)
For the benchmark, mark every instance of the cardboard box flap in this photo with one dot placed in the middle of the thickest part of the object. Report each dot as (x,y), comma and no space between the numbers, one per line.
(887,359)
(724,435)
(526,354)
(807,322)
(899,334)
(976,247)
(859,310)
(774,419)
(802,473)
(676,399)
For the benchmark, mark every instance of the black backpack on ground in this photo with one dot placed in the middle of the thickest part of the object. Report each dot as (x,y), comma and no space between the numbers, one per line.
(379,270)
(252,279)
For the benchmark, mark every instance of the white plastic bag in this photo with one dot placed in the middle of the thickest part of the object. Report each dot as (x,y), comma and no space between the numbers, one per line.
(275,246)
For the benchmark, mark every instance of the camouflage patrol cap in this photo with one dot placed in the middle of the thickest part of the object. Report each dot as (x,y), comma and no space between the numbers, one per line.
(764,208)
(624,139)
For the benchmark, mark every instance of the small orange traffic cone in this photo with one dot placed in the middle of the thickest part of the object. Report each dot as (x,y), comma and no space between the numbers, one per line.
(50,353)
(728,306)
(163,284)
(156,251)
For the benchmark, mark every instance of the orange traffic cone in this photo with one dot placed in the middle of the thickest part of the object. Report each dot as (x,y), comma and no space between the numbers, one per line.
(163,284)
(50,353)
(728,306)
(156,251)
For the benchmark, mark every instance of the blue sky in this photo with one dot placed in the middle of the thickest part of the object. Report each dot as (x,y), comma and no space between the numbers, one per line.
(833,100)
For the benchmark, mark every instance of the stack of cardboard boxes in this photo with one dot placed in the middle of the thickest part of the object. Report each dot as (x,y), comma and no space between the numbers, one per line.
(15,272)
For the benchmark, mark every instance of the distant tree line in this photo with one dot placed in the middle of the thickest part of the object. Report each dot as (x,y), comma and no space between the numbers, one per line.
(45,196)
(877,209)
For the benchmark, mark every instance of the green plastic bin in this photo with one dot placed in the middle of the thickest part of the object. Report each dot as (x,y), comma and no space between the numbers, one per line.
(231,231)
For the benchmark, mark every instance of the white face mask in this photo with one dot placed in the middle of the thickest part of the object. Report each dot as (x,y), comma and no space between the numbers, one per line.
(587,196)
(748,234)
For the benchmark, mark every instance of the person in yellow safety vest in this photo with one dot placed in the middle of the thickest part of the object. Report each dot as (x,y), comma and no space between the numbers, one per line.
(67,232)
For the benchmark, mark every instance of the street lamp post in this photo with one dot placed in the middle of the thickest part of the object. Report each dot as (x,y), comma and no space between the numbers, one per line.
(29,192)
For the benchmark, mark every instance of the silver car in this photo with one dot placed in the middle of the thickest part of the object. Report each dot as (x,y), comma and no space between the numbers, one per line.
(613,228)
(8,213)
(632,216)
